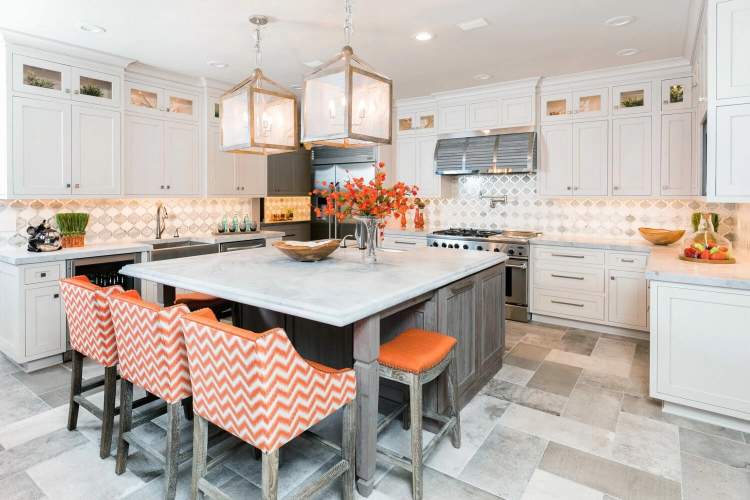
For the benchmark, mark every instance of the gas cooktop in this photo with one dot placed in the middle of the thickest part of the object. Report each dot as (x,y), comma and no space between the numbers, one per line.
(485,233)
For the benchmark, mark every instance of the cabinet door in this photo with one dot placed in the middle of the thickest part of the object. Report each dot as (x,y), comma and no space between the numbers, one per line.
(453,118)
(425,121)
(251,174)
(632,99)
(556,107)
(631,156)
(591,103)
(484,114)
(144,156)
(181,159)
(556,172)
(37,76)
(732,49)
(517,111)
(628,299)
(95,87)
(280,175)
(406,161)
(180,105)
(491,315)
(677,172)
(302,175)
(45,323)
(733,151)
(144,98)
(676,94)
(407,122)
(427,180)
(590,158)
(457,317)
(95,150)
(221,166)
(41,146)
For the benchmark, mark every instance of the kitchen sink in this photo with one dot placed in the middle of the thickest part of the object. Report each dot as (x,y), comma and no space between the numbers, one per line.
(165,250)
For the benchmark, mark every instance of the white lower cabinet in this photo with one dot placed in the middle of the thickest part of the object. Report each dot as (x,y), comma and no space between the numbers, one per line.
(590,285)
(699,353)
(45,321)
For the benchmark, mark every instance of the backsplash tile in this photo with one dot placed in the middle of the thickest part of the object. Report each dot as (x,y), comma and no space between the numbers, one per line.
(127,219)
(608,217)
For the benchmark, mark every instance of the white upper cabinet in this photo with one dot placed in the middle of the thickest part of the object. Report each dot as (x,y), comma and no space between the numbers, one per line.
(556,107)
(221,175)
(631,99)
(95,151)
(590,158)
(37,76)
(676,94)
(453,118)
(677,165)
(95,88)
(484,114)
(406,161)
(556,169)
(427,180)
(732,174)
(251,174)
(41,147)
(144,156)
(181,163)
(732,33)
(417,121)
(517,111)
(591,103)
(631,156)
(159,101)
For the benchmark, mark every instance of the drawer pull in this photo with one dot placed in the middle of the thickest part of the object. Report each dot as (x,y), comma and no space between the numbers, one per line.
(568,256)
(629,261)
(43,275)
(405,242)
(458,289)
(579,278)
(566,303)
(56,296)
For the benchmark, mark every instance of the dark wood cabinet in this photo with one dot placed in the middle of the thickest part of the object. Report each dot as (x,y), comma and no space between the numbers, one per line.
(457,317)
(295,231)
(490,290)
(289,174)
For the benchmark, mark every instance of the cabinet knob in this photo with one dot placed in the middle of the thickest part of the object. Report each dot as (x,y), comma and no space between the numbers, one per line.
(42,275)
(67,185)
(243,188)
(76,92)
(161,187)
(168,186)
(666,102)
(568,188)
(56,296)
(67,91)
(612,278)
(575,188)
(615,187)
(77,186)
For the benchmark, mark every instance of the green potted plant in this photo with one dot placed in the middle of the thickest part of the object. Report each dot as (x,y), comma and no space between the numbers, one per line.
(72,227)
(91,90)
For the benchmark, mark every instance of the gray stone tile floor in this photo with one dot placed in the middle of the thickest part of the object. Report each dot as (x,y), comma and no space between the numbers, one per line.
(567,418)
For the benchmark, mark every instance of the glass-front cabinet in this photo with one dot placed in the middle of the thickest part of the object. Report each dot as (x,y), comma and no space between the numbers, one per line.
(417,122)
(181,105)
(214,109)
(160,101)
(556,107)
(676,94)
(36,76)
(591,103)
(631,99)
(95,87)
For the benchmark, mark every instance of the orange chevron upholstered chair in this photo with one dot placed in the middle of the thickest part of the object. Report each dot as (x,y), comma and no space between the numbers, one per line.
(258,388)
(91,336)
(416,357)
(152,355)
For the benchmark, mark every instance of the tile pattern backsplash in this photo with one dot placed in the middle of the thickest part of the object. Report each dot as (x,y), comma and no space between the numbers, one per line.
(608,217)
(126,219)
(280,206)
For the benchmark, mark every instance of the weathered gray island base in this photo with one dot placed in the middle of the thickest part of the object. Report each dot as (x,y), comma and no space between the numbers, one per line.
(340,310)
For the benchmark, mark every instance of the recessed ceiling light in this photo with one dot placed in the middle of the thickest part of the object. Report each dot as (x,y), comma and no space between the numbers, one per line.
(313,64)
(295,87)
(473,24)
(618,21)
(482,76)
(628,52)
(423,36)
(218,64)
(91,28)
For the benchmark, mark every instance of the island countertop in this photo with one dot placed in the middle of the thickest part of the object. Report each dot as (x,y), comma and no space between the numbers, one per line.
(337,291)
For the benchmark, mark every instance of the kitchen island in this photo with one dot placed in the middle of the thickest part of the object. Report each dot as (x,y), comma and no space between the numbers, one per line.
(338,311)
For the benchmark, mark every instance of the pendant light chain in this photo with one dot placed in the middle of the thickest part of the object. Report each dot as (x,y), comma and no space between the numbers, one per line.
(258,54)
(348,26)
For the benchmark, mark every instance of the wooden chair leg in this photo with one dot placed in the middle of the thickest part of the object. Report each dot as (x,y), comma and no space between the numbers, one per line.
(270,475)
(200,449)
(405,418)
(348,445)
(76,379)
(415,408)
(453,400)
(187,408)
(126,422)
(108,412)
(172,453)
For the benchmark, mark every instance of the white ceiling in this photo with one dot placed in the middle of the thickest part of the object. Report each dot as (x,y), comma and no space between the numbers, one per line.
(524,38)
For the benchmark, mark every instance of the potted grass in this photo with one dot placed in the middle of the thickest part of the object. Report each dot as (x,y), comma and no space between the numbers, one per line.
(72,227)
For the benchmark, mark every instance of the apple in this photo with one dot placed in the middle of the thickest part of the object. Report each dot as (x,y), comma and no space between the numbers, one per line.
(719,256)
(691,253)
(705,254)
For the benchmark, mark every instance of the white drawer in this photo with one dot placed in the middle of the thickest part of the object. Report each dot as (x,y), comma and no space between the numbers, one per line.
(627,260)
(569,305)
(568,255)
(405,242)
(578,278)
(42,273)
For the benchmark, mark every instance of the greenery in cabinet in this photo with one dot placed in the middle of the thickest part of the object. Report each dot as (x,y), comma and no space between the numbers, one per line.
(632,102)
(35,81)
(91,90)
(676,93)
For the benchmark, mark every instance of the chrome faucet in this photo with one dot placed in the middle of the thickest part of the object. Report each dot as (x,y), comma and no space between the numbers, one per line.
(161,217)
(343,240)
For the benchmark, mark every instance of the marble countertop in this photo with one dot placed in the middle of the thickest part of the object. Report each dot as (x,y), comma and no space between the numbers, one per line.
(338,291)
(19,256)
(664,265)
(596,242)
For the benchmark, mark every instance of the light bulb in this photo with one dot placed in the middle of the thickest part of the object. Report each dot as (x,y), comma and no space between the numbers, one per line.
(332,109)
(266,123)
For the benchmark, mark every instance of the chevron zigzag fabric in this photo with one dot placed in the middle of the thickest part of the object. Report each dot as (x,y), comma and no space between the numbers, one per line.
(151,346)
(256,386)
(89,319)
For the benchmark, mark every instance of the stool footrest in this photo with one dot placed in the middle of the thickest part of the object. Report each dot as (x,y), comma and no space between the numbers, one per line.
(383,423)
(328,473)
(90,407)
(405,462)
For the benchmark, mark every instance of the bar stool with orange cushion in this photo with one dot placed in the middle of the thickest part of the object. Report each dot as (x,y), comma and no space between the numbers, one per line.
(258,388)
(197,300)
(91,336)
(416,357)
(152,355)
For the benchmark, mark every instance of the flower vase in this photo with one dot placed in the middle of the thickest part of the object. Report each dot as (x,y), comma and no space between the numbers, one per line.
(418,219)
(370,227)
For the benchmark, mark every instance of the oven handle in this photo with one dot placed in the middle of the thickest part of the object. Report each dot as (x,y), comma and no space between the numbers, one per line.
(523,266)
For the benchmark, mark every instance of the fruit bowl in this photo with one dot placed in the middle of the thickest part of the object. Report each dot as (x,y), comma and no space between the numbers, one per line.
(661,236)
(707,247)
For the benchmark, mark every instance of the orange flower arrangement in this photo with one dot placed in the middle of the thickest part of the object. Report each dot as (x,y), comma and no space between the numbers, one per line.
(373,199)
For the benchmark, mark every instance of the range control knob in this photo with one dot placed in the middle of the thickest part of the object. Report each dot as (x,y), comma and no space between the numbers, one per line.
(466,247)
(434,243)
(497,249)
(480,248)
(444,245)
(511,252)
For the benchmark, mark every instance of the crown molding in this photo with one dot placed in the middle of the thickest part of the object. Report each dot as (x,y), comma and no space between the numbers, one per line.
(145,72)
(646,70)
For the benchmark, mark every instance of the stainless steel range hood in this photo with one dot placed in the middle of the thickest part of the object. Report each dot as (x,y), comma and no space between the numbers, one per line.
(498,151)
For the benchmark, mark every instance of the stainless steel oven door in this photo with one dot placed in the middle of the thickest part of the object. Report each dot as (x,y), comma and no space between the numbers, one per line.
(516,289)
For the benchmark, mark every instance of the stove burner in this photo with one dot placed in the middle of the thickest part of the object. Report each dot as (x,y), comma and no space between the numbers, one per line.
(468,233)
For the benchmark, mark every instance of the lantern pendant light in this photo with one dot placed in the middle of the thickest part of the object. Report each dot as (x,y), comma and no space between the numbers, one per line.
(346,102)
(258,115)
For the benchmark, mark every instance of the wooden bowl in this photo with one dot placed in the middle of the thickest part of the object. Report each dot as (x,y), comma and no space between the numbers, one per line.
(307,253)
(661,236)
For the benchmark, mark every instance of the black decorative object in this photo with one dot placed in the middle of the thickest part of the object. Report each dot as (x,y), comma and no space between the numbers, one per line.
(43,238)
